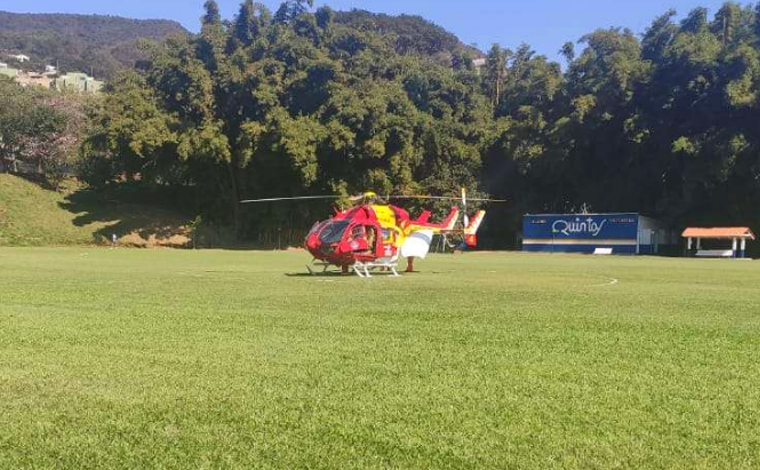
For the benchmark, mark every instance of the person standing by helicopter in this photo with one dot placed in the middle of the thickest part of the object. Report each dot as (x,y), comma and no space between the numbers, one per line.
(410,264)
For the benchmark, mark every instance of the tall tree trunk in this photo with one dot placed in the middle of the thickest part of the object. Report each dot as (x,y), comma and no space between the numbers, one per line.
(235,197)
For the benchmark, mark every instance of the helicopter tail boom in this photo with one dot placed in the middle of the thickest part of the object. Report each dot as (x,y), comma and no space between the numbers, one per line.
(446,226)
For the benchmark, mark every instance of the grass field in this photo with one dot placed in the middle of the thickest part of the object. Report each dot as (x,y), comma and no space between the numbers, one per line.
(127,359)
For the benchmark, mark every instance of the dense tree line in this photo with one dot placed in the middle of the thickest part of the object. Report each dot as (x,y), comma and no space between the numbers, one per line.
(288,103)
(101,45)
(293,102)
(667,124)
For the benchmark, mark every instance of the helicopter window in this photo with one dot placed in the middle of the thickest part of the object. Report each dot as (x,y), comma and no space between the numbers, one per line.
(317,227)
(333,232)
(358,232)
(371,237)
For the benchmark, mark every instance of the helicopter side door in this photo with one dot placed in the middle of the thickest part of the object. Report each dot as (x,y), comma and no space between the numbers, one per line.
(389,246)
(365,241)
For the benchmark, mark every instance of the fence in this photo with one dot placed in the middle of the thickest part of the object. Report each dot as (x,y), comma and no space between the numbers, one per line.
(282,238)
(19,167)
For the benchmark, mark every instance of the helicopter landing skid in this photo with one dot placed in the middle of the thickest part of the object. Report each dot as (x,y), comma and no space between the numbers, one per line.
(363,269)
(324,266)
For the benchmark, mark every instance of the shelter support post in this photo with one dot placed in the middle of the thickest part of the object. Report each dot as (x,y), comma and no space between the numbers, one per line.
(735,247)
(743,250)
(688,247)
(699,244)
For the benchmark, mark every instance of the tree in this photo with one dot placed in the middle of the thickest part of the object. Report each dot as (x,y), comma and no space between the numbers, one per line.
(696,21)
(130,137)
(212,37)
(495,72)
(246,27)
(727,22)
(292,9)
(41,129)
(568,51)
(659,36)
(212,15)
(325,17)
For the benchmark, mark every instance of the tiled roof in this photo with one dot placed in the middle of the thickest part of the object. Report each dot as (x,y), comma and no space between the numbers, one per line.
(719,232)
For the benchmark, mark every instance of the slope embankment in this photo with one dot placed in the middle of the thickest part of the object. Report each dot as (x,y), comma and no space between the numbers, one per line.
(31,215)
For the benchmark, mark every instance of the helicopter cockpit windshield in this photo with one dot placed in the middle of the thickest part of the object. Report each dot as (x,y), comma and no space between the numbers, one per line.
(333,232)
(317,227)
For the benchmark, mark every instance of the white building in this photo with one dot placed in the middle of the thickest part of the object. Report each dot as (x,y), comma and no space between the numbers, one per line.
(20,57)
(77,81)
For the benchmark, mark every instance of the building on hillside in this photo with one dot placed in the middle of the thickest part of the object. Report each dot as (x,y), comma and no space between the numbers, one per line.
(478,63)
(33,79)
(77,81)
(9,72)
(624,233)
(51,70)
(20,57)
(3,65)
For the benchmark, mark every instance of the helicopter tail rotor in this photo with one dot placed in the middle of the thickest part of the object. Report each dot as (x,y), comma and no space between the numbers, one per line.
(471,229)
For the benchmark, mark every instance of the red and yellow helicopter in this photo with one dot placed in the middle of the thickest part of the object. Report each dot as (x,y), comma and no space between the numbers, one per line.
(374,234)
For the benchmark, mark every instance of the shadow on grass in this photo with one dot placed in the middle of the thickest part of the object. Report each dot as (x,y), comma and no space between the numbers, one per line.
(137,213)
(37,179)
(319,274)
(116,213)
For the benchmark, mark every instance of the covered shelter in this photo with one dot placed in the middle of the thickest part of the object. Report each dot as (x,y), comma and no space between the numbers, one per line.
(737,235)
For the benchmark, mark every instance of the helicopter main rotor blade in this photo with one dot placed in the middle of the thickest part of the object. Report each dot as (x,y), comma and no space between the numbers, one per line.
(447,198)
(278,199)
(365,196)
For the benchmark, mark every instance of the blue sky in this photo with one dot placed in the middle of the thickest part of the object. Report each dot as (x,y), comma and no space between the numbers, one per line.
(544,24)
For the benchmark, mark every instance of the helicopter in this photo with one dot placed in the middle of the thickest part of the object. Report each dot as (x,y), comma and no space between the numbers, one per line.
(373,235)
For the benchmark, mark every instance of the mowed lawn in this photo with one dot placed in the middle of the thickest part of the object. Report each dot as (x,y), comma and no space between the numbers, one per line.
(128,359)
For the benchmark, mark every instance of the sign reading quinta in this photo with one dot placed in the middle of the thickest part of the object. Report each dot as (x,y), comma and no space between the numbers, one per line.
(624,233)
(578,226)
(586,227)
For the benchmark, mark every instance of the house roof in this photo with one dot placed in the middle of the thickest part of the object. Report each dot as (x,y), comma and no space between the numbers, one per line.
(719,232)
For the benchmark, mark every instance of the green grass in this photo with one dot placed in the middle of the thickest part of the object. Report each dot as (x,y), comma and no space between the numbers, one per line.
(33,216)
(179,359)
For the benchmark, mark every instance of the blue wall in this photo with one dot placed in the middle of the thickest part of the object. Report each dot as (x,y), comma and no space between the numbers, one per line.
(575,233)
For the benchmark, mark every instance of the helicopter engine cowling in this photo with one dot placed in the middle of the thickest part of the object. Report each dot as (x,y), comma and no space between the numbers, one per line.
(417,245)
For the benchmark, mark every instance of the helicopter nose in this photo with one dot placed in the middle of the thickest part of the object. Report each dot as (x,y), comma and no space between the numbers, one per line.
(312,242)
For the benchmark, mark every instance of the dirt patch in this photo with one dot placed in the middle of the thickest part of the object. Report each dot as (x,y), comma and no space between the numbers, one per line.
(138,240)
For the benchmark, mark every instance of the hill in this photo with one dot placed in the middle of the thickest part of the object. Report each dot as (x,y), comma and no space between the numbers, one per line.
(415,35)
(33,216)
(102,45)
(90,43)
